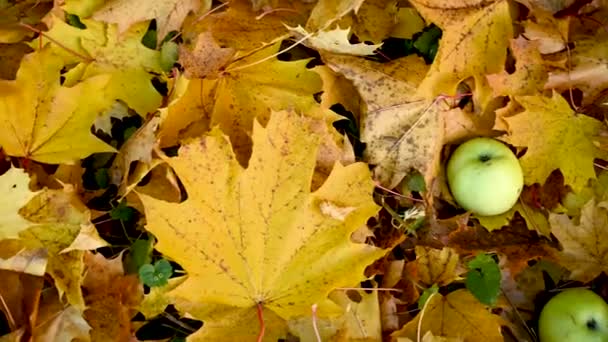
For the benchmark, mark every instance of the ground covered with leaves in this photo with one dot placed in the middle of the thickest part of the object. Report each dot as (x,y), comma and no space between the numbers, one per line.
(274,170)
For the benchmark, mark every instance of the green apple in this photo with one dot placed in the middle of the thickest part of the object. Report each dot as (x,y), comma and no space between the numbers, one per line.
(574,315)
(485,177)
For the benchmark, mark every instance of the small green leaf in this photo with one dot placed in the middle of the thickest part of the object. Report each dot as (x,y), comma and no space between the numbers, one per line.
(102,179)
(426,295)
(157,275)
(122,212)
(140,254)
(415,182)
(168,55)
(483,279)
(149,39)
(74,20)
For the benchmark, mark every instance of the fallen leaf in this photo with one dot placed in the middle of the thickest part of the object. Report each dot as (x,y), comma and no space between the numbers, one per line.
(206,58)
(435,266)
(402,131)
(62,228)
(530,74)
(138,148)
(334,41)
(325,13)
(169,15)
(14,184)
(99,50)
(457,315)
(584,254)
(565,143)
(53,121)
(375,20)
(586,69)
(56,322)
(474,46)
(14,13)
(239,28)
(112,298)
(278,212)
(20,296)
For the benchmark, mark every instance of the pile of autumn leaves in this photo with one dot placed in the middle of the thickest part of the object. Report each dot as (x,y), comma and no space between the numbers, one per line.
(273,229)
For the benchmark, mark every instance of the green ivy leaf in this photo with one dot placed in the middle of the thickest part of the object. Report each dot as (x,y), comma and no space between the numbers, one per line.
(157,274)
(483,279)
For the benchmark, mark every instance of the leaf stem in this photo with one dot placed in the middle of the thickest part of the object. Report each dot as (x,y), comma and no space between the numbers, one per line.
(33,29)
(261,320)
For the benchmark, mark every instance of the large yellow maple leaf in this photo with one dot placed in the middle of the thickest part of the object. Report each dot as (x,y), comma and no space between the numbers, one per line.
(42,120)
(258,237)
(556,138)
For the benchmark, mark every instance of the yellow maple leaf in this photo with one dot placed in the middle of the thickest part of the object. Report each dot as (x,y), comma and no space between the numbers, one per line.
(169,15)
(565,142)
(436,266)
(45,121)
(474,46)
(457,315)
(376,19)
(239,27)
(14,13)
(245,91)
(530,75)
(258,236)
(585,249)
(328,12)
(14,184)
(64,230)
(403,131)
(99,49)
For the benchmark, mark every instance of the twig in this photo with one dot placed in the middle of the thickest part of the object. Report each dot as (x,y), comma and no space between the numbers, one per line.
(368,288)
(11,319)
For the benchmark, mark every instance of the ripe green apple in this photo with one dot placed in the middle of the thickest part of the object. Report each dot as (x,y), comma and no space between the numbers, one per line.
(574,315)
(485,177)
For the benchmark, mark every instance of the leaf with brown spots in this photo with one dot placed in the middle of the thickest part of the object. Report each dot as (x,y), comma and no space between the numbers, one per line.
(403,131)
(258,238)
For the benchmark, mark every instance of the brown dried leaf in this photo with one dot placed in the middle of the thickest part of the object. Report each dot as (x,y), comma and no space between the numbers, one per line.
(585,248)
